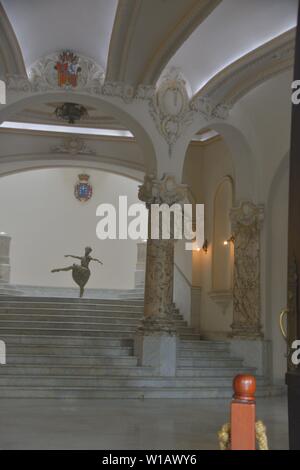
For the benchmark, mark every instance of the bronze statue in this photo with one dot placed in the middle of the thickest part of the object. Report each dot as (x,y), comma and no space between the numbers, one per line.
(80,273)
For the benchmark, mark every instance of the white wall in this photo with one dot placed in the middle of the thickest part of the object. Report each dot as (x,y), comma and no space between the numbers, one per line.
(38,209)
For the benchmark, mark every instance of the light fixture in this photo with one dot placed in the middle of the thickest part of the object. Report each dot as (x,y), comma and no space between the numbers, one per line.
(205,246)
(70,112)
(29,126)
(230,240)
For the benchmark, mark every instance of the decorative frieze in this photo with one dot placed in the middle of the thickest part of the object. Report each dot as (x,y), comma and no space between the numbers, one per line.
(162,191)
(169,107)
(246,223)
(73,146)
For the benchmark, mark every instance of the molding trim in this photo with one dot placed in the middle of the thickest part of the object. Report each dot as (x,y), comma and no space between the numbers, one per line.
(10,52)
(233,82)
(124,40)
(121,38)
(42,78)
(24,162)
(176,37)
(73,146)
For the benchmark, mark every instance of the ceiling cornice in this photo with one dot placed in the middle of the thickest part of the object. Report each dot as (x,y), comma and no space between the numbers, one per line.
(10,51)
(233,82)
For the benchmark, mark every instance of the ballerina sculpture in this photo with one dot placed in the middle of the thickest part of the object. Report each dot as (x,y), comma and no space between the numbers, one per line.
(80,273)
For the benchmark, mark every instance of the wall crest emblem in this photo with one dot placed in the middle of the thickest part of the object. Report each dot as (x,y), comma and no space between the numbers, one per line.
(83,190)
(68,69)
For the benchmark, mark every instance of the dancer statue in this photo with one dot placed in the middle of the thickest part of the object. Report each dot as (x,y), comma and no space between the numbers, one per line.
(80,273)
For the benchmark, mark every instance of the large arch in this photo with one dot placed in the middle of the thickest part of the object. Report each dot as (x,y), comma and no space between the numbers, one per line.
(19,163)
(241,152)
(142,137)
(11,59)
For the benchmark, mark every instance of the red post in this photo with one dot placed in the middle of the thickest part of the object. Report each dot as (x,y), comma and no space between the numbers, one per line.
(243,413)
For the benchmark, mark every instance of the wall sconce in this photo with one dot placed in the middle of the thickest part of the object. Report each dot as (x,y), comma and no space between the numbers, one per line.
(230,240)
(204,247)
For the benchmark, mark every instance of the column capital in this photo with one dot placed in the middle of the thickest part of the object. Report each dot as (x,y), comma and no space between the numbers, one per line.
(163,191)
(247,214)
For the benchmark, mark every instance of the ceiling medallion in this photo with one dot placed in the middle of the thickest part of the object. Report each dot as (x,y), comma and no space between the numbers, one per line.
(83,190)
(71,112)
(67,68)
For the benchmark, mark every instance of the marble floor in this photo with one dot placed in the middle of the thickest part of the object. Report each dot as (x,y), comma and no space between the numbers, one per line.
(127,424)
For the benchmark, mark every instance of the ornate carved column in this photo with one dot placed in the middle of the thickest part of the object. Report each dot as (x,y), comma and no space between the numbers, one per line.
(139,276)
(4,257)
(246,223)
(156,337)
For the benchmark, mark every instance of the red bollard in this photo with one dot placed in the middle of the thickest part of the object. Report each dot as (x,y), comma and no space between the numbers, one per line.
(243,413)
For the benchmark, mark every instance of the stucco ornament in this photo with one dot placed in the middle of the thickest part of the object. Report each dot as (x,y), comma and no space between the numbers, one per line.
(209,109)
(162,191)
(90,79)
(170,107)
(43,74)
(73,146)
(246,221)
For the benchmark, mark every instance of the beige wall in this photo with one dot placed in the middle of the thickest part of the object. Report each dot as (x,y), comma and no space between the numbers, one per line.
(204,170)
(276,261)
(38,209)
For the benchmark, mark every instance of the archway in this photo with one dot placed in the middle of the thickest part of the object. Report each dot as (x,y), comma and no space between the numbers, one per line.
(40,212)
(131,123)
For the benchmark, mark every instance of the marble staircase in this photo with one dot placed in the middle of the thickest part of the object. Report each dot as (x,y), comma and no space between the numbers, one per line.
(8,289)
(83,348)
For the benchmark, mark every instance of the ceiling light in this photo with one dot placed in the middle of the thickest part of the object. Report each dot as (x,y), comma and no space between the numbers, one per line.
(27,126)
(71,112)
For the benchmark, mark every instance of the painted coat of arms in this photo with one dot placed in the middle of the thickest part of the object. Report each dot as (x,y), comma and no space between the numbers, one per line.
(83,189)
(67,68)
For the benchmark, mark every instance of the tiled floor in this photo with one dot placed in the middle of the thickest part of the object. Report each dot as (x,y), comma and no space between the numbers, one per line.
(127,424)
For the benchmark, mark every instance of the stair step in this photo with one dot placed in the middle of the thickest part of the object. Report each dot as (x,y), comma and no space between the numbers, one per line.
(66,341)
(91,309)
(70,360)
(206,353)
(112,382)
(74,318)
(21,369)
(42,349)
(72,301)
(133,393)
(213,371)
(211,362)
(66,332)
(195,345)
(69,325)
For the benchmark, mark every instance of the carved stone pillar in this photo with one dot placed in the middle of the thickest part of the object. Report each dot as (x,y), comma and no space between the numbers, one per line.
(139,275)
(155,342)
(246,223)
(4,258)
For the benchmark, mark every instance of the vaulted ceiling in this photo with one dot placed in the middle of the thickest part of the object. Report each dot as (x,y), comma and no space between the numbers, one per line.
(136,40)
